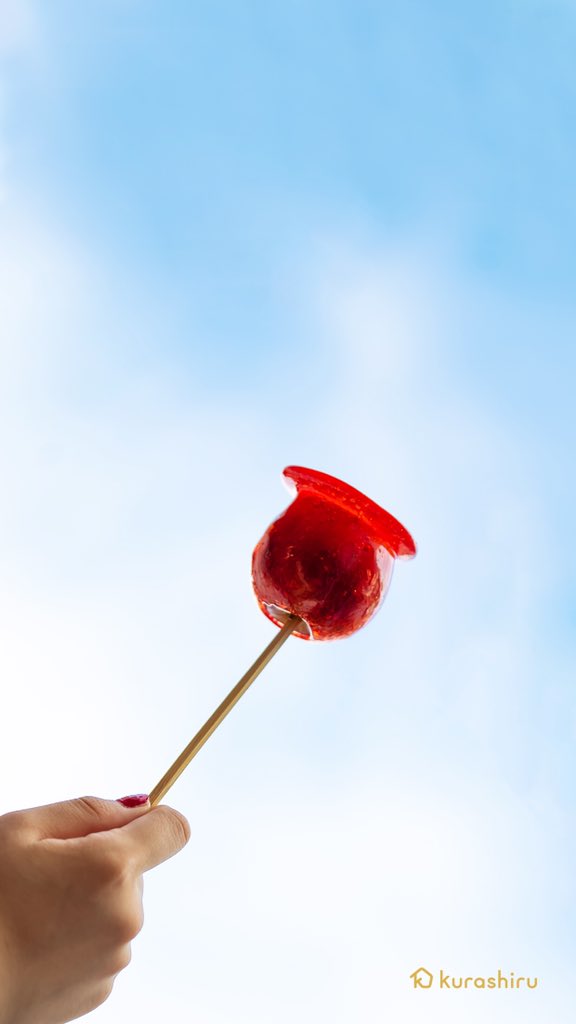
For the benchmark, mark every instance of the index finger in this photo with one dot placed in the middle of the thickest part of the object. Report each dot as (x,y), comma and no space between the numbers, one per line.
(155,837)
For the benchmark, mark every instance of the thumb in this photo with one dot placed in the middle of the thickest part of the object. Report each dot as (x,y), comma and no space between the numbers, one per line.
(80,817)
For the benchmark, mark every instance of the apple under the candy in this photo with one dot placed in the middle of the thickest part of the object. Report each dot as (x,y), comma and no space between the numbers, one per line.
(320,572)
(328,558)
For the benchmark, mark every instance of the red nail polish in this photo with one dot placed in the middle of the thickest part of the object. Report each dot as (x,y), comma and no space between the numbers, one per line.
(138,800)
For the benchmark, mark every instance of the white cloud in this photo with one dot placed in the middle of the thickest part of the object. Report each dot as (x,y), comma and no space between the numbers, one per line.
(370,804)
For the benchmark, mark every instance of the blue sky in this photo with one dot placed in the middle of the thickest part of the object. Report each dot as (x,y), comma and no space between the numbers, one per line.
(413,116)
(235,237)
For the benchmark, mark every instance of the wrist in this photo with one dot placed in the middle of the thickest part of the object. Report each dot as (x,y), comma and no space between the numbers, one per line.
(6,982)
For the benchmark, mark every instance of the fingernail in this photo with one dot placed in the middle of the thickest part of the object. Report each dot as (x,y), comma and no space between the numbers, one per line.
(138,800)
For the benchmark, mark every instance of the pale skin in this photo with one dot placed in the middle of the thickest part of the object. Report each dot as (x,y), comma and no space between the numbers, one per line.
(71,901)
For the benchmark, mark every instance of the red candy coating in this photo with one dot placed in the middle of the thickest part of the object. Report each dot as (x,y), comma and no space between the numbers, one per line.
(328,558)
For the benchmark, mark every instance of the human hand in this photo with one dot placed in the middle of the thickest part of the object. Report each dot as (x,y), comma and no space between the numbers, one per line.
(71,901)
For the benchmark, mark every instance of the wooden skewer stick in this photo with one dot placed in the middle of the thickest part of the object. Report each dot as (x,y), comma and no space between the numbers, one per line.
(181,762)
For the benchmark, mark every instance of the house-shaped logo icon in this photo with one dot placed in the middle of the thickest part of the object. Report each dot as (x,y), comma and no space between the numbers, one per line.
(422,978)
